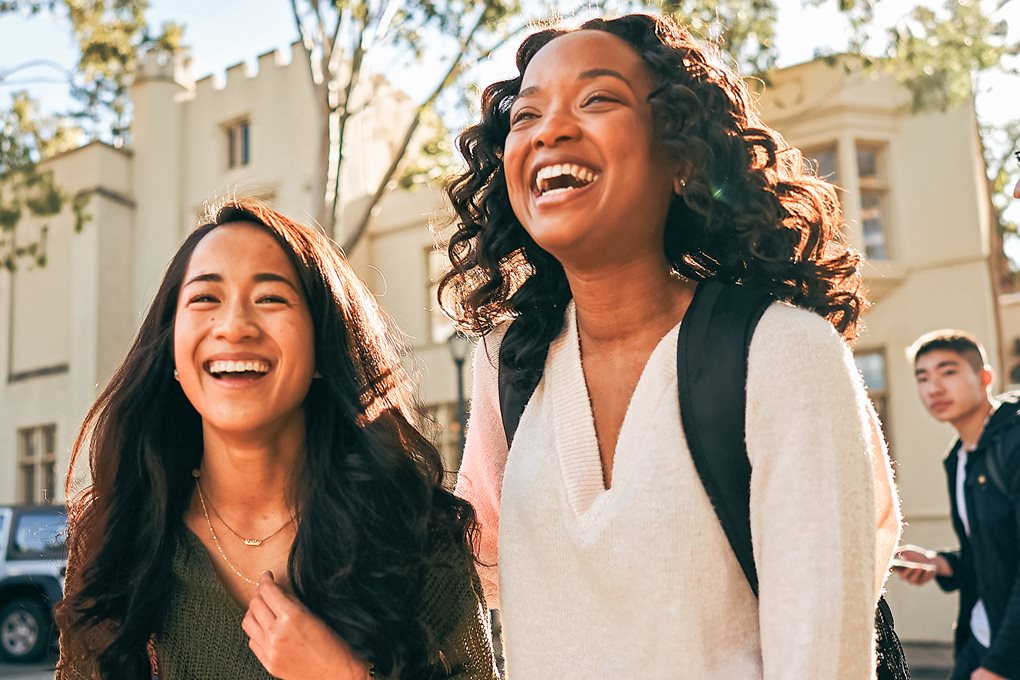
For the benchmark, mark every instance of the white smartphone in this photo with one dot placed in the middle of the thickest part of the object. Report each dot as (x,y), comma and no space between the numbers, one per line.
(900,563)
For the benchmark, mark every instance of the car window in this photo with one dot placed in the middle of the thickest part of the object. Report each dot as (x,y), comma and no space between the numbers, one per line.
(39,534)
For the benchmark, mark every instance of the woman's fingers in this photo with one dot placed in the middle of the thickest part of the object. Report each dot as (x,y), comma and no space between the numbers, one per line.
(278,602)
(258,608)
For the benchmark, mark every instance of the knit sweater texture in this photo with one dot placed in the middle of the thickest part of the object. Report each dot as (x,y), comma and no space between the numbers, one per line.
(639,580)
(202,638)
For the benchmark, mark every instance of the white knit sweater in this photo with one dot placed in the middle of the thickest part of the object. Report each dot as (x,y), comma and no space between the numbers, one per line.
(639,581)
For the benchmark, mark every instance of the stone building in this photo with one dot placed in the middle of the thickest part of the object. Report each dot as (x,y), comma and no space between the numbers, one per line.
(913,190)
(916,202)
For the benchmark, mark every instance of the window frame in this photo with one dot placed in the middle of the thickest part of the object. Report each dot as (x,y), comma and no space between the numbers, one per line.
(879,396)
(238,134)
(36,462)
(876,185)
(439,324)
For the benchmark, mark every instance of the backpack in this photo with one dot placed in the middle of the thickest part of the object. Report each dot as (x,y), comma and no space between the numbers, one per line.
(712,354)
(995,459)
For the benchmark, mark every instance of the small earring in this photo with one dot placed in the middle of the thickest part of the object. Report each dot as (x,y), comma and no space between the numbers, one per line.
(678,186)
(177,376)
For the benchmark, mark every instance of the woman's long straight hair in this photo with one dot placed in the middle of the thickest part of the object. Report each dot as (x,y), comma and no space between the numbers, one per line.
(369,493)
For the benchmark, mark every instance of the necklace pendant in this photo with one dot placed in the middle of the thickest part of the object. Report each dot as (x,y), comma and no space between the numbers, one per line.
(254,542)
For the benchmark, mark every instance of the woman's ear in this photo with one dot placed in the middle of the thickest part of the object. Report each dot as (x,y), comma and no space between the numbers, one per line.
(681,173)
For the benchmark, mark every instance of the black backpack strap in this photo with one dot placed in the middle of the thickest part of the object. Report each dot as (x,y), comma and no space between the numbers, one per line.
(514,393)
(712,349)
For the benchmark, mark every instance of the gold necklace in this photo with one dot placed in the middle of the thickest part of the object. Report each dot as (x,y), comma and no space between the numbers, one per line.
(250,542)
(215,539)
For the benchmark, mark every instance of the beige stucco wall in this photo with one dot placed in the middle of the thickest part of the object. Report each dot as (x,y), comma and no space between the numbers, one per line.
(394,263)
(181,151)
(81,311)
(936,274)
(74,317)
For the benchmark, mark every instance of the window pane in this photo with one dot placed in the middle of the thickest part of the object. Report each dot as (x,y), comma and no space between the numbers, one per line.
(26,444)
(245,149)
(827,161)
(27,482)
(441,326)
(49,486)
(867,163)
(872,223)
(49,435)
(231,147)
(39,534)
(872,368)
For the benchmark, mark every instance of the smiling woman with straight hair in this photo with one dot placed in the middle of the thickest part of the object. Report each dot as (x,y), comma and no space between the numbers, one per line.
(621,169)
(261,501)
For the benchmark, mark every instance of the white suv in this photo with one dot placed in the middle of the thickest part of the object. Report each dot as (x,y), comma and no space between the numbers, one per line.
(33,556)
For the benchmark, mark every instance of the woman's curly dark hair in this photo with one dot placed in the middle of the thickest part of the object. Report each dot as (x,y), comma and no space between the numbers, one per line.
(370,496)
(750,213)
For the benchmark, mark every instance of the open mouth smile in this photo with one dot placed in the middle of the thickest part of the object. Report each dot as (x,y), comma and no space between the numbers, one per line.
(553,180)
(248,369)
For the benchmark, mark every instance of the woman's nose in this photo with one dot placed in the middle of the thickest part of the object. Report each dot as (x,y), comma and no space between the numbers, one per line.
(555,128)
(236,323)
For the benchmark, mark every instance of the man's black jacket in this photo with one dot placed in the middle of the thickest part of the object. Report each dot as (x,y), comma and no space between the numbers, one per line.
(987,564)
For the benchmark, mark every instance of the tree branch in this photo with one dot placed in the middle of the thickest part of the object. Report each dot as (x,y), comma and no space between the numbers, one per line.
(336,36)
(357,59)
(455,68)
(32,63)
(327,48)
(386,18)
(306,39)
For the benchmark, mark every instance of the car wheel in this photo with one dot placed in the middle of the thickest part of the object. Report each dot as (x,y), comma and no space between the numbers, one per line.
(25,628)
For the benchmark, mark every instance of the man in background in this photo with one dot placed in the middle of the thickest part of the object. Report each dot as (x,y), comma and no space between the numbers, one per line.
(983,471)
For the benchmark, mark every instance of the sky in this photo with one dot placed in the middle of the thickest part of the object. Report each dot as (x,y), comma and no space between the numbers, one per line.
(227,32)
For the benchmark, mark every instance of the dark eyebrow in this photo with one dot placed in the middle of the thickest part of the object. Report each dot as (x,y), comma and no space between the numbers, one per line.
(947,363)
(258,278)
(599,72)
(215,278)
(526,92)
(270,276)
(584,75)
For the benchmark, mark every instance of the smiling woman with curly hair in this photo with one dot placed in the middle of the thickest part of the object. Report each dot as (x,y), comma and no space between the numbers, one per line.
(621,168)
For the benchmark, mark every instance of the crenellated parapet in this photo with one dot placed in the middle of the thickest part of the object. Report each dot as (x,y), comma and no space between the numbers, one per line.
(268,66)
(161,66)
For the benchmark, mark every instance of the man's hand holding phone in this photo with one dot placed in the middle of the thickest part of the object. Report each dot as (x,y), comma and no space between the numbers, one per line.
(918,566)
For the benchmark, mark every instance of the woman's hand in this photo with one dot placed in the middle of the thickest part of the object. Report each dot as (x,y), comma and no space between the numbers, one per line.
(292,643)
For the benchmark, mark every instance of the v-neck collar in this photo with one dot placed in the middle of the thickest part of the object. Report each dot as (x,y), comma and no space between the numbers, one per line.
(205,560)
(573,419)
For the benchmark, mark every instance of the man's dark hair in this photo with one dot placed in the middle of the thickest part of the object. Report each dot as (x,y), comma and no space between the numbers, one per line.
(951,340)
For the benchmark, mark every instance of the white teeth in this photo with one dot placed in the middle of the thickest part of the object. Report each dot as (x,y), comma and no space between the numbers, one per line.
(578,172)
(255,366)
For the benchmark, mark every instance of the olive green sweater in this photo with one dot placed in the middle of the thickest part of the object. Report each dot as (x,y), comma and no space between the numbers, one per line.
(202,637)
